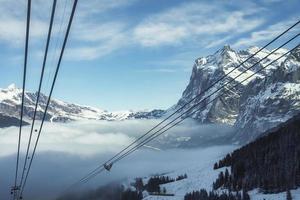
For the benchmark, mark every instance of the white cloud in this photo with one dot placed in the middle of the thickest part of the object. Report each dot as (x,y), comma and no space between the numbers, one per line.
(100,32)
(93,137)
(99,6)
(12,29)
(153,34)
(91,39)
(265,34)
(13,19)
(83,137)
(99,49)
(192,20)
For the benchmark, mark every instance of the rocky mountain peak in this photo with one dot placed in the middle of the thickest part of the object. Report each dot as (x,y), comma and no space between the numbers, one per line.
(296,54)
(225,55)
(12,87)
(252,105)
(216,62)
(224,50)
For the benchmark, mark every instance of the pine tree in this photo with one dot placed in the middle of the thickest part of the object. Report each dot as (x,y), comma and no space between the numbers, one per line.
(288,195)
(139,185)
(216,166)
(164,191)
(245,195)
(226,176)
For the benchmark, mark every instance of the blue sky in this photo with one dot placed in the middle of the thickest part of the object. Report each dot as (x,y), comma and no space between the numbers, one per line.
(132,54)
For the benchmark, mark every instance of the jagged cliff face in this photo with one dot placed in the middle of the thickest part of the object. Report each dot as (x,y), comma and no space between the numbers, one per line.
(267,102)
(253,106)
(210,69)
(206,71)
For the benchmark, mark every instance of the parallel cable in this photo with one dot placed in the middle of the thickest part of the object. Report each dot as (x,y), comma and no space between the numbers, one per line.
(182,119)
(92,174)
(194,98)
(40,86)
(23,91)
(56,42)
(212,85)
(51,91)
(223,86)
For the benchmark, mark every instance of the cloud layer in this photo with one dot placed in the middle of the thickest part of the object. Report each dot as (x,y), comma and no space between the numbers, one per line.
(87,138)
(66,152)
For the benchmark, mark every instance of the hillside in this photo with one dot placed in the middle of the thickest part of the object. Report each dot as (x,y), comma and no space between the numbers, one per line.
(270,163)
(266,168)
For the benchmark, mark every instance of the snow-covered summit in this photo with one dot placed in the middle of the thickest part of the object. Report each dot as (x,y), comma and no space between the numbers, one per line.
(12,87)
(227,108)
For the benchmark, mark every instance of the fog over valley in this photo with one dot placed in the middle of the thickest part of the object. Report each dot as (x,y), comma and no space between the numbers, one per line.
(67,151)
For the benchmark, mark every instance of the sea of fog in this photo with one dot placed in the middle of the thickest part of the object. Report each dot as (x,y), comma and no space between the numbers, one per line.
(67,151)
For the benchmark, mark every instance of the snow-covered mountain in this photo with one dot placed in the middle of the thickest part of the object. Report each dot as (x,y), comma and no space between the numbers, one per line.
(270,97)
(59,111)
(267,102)
(263,101)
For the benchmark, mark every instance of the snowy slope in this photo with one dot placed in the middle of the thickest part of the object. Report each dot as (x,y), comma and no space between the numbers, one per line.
(202,175)
(199,170)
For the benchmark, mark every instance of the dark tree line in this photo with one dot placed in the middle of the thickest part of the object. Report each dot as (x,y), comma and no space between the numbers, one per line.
(271,163)
(223,162)
(204,195)
(131,195)
(139,184)
(288,195)
(154,182)
(224,180)
(181,177)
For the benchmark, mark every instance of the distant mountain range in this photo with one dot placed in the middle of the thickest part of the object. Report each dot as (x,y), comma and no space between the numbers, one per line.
(59,111)
(252,107)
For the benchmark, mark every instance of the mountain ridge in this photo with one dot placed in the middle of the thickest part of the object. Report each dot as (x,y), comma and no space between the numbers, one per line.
(60,111)
(251,107)
(237,98)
